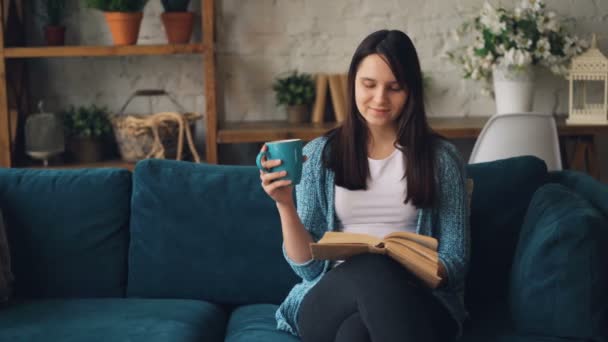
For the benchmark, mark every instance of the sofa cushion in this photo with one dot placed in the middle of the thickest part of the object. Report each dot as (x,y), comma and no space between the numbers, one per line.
(6,275)
(503,190)
(559,277)
(207,232)
(112,319)
(496,326)
(534,338)
(256,323)
(513,337)
(68,230)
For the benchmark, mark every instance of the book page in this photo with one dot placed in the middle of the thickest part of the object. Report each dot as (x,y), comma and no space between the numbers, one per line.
(341,251)
(421,267)
(404,247)
(421,250)
(427,241)
(349,238)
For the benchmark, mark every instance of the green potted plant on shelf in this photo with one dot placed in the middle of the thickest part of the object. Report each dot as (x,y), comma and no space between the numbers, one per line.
(86,128)
(177,20)
(297,92)
(52,13)
(123,17)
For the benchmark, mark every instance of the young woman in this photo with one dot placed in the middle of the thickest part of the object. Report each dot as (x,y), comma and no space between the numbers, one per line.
(382,170)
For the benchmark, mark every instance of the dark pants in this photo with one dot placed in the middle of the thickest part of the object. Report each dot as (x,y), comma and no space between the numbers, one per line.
(371,297)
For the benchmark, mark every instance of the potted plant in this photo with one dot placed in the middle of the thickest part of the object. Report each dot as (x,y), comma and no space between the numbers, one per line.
(505,44)
(297,92)
(178,22)
(86,129)
(52,14)
(123,18)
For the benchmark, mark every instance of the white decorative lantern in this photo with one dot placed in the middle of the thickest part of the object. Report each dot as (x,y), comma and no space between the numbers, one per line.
(589,67)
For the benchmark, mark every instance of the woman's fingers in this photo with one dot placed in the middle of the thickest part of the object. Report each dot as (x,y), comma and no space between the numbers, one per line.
(278,184)
(267,164)
(263,159)
(269,177)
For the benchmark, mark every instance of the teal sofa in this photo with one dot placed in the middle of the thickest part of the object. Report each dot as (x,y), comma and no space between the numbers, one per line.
(177,252)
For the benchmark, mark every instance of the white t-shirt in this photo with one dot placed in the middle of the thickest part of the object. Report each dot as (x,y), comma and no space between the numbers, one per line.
(379,210)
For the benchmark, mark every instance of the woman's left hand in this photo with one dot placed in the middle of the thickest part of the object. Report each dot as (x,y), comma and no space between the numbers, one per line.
(443,274)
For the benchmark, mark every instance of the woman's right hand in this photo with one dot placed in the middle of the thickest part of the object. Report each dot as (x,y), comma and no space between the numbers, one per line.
(279,190)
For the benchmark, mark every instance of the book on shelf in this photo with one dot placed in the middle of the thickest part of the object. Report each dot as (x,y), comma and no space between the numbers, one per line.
(330,98)
(344,80)
(318,111)
(338,96)
(417,253)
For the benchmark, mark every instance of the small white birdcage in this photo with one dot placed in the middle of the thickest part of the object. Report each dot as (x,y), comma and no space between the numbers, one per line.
(589,71)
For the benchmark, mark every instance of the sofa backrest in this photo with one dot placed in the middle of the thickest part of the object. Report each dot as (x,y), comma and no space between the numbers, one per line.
(67,231)
(502,192)
(207,232)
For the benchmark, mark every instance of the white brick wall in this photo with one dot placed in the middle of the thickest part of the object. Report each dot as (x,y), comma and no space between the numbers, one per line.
(260,39)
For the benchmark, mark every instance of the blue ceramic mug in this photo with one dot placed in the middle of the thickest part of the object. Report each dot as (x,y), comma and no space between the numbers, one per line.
(290,154)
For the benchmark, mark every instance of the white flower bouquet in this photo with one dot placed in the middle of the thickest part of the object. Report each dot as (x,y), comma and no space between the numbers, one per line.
(515,39)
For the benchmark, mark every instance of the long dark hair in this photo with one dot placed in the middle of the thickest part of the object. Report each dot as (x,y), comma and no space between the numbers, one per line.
(347,154)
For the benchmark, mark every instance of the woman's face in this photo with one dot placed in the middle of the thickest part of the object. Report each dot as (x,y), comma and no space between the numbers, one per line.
(378,96)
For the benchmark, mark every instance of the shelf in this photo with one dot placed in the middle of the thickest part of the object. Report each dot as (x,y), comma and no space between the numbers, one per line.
(108,163)
(97,51)
(449,127)
(261,131)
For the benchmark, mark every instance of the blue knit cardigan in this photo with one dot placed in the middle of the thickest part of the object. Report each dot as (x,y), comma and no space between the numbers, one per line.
(448,222)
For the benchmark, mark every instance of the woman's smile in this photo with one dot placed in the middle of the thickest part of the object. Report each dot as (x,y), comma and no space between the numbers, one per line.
(380,111)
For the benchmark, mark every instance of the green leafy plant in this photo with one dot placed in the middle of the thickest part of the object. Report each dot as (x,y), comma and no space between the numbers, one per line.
(52,12)
(295,89)
(175,5)
(427,80)
(117,5)
(86,122)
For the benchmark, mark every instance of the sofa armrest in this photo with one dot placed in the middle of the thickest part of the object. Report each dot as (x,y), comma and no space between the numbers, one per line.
(588,187)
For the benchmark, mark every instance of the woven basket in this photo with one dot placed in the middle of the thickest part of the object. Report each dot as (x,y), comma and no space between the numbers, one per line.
(160,135)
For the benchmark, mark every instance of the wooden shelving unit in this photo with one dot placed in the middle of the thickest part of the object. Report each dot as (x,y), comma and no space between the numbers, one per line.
(215,133)
(206,49)
(100,51)
(262,131)
(250,132)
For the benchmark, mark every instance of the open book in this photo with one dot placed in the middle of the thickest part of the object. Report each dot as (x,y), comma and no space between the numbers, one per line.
(417,253)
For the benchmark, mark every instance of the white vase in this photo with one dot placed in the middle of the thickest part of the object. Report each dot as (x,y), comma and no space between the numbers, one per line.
(513,89)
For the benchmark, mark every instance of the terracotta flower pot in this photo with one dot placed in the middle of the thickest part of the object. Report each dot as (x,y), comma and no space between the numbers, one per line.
(178,26)
(54,35)
(297,114)
(124,26)
(86,150)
